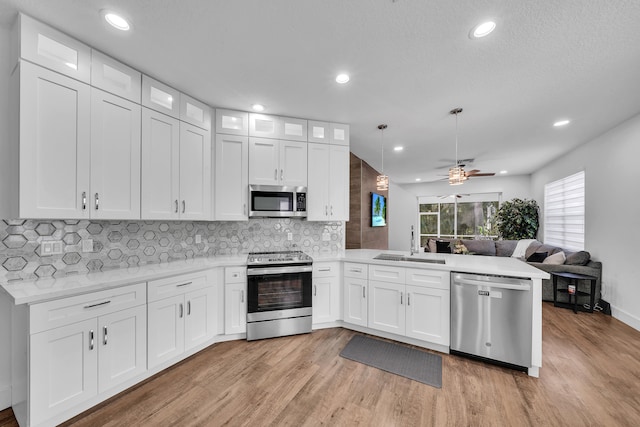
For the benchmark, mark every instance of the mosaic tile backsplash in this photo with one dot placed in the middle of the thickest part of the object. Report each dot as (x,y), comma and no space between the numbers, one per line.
(119,244)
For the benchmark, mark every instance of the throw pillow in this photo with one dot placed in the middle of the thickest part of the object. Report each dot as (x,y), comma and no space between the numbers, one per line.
(505,247)
(556,259)
(578,258)
(443,247)
(537,257)
(431,243)
(480,247)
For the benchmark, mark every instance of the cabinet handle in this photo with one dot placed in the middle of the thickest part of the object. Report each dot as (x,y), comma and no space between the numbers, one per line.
(98,304)
(326,210)
(400,298)
(315,291)
(184,206)
(183,284)
(91,339)
(188,308)
(84,200)
(104,335)
(275,174)
(281,175)
(176,205)
(408,298)
(364,295)
(241,296)
(356,270)
(181,310)
(331,210)
(97,201)
(324,269)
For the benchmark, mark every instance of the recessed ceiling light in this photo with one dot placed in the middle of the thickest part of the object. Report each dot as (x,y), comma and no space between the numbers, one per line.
(342,78)
(257,107)
(418,179)
(116,21)
(503,172)
(482,30)
(561,123)
(398,148)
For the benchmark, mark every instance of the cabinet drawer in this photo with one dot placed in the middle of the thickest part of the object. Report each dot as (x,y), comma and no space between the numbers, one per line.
(195,112)
(52,49)
(114,77)
(160,97)
(358,271)
(326,269)
(232,122)
(176,285)
(385,273)
(53,314)
(428,278)
(235,274)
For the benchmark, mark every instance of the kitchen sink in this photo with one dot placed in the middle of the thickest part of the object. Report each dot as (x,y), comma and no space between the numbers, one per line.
(394,257)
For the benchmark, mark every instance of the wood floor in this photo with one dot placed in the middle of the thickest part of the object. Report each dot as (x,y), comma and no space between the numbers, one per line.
(590,377)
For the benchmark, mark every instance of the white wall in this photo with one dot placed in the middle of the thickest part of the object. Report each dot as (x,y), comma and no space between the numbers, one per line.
(403,205)
(612,234)
(5,318)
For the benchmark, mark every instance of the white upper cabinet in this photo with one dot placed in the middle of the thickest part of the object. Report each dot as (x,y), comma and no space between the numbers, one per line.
(231,178)
(292,129)
(53,177)
(328,182)
(43,45)
(115,157)
(274,162)
(195,172)
(339,134)
(195,112)
(232,122)
(262,125)
(160,97)
(319,132)
(115,77)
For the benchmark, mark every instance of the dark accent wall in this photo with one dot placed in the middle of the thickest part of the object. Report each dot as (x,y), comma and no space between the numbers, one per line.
(359,232)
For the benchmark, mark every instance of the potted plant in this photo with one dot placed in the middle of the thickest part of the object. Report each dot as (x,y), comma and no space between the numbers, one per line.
(518,219)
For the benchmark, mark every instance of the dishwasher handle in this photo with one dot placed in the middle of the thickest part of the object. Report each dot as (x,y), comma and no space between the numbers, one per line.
(492,284)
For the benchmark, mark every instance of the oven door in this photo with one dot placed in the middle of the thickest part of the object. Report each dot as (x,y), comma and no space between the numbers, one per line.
(278,292)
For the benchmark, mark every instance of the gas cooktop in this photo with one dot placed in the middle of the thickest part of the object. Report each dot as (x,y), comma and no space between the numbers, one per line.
(278,257)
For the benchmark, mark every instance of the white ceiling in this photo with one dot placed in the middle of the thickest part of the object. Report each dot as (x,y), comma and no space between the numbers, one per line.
(410,61)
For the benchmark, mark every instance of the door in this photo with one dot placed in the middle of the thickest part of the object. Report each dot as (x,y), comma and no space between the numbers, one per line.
(232,178)
(323,306)
(387,307)
(195,172)
(160,166)
(165,330)
(63,369)
(355,301)
(55,132)
(339,183)
(200,318)
(123,346)
(428,314)
(115,157)
(293,163)
(235,306)
(263,161)
(318,182)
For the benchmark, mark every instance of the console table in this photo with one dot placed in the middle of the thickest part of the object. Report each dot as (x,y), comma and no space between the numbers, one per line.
(573,279)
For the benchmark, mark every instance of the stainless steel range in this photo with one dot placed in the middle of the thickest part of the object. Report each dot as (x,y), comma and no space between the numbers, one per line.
(279,294)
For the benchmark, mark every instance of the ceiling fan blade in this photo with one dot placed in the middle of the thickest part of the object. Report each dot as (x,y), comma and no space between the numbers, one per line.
(472,172)
(481,174)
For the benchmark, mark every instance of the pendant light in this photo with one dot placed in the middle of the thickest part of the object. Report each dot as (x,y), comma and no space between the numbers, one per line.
(382,180)
(457,175)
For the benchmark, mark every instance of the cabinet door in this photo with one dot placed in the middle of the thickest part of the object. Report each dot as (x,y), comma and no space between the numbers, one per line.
(123,346)
(326,299)
(293,163)
(292,129)
(195,112)
(428,314)
(160,166)
(318,132)
(195,172)
(165,330)
(339,183)
(318,182)
(355,301)
(54,144)
(63,369)
(262,125)
(339,134)
(160,97)
(235,308)
(115,157)
(263,161)
(232,178)
(115,77)
(387,307)
(232,122)
(200,323)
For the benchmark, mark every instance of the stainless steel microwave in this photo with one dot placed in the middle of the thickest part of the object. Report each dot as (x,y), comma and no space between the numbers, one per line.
(277,201)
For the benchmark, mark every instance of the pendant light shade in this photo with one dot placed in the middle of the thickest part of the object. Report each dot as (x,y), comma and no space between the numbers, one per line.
(382,180)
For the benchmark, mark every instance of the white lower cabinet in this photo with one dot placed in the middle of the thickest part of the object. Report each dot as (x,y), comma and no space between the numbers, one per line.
(387,307)
(427,315)
(235,300)
(355,294)
(326,292)
(181,315)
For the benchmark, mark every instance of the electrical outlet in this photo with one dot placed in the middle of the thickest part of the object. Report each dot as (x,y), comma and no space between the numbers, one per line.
(289,236)
(198,239)
(51,247)
(87,245)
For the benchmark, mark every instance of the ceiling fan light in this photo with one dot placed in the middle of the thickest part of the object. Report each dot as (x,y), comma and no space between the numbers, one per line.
(457,176)
(382,183)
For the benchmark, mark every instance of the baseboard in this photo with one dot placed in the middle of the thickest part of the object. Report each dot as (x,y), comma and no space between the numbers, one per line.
(5,397)
(625,317)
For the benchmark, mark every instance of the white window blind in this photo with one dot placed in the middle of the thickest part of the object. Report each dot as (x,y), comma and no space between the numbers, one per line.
(564,212)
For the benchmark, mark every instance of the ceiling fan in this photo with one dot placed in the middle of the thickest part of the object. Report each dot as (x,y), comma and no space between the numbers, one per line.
(457,174)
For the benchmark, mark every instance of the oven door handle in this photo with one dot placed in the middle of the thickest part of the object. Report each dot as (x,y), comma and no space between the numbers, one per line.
(279,270)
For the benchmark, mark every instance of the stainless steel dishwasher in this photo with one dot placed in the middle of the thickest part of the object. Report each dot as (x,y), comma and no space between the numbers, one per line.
(491,318)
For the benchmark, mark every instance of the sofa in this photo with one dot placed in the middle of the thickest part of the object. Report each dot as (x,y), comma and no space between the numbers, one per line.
(545,257)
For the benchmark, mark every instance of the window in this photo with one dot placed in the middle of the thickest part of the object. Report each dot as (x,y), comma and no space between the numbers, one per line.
(463,216)
(564,212)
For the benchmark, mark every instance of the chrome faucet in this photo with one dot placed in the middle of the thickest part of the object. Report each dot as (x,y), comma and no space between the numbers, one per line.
(413,243)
